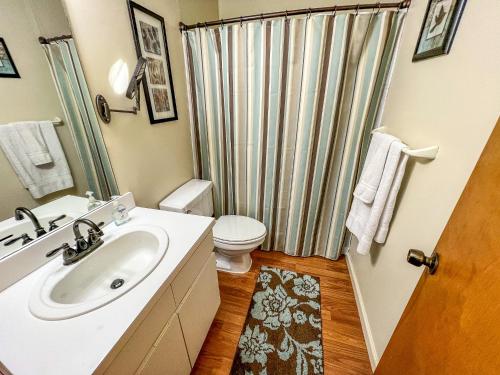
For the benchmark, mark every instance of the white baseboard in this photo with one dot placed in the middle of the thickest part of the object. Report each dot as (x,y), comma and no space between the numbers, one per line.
(365,324)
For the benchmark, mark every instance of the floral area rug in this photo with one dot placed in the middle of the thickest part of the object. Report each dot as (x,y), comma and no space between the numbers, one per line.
(282,331)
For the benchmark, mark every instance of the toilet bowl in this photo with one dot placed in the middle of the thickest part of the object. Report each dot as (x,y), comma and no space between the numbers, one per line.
(235,236)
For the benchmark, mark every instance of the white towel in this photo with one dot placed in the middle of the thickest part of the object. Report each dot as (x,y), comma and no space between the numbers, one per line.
(369,221)
(39,180)
(32,142)
(374,167)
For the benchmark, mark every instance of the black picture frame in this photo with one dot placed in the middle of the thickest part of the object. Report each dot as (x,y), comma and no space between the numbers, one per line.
(160,95)
(446,37)
(15,72)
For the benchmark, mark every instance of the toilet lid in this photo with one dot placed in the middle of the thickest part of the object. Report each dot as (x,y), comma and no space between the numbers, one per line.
(238,229)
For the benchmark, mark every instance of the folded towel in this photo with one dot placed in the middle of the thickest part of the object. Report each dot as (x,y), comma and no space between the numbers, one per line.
(369,221)
(32,142)
(39,180)
(373,167)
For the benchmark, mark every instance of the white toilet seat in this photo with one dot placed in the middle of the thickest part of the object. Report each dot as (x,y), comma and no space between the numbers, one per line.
(238,230)
(235,237)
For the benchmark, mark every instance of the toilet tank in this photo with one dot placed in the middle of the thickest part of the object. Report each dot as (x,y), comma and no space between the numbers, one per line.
(194,197)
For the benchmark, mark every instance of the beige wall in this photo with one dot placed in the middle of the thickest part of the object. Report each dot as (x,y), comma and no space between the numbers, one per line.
(50,17)
(33,97)
(452,101)
(193,11)
(150,161)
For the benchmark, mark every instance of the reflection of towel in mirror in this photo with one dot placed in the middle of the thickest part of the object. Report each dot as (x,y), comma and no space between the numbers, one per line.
(31,141)
(39,179)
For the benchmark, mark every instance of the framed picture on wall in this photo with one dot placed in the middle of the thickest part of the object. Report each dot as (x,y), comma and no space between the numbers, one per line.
(151,43)
(438,29)
(7,67)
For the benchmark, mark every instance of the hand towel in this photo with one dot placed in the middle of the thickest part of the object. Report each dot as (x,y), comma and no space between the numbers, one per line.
(385,219)
(373,167)
(32,142)
(365,219)
(39,180)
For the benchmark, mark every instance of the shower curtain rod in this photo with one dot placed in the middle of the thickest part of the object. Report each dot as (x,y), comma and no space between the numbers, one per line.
(44,40)
(295,12)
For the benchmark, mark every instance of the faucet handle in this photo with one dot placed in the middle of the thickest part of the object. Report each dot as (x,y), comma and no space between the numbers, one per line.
(63,247)
(25,237)
(52,223)
(94,236)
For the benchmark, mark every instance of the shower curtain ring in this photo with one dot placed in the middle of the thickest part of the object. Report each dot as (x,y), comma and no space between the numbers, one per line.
(206,27)
(262,18)
(357,9)
(334,11)
(309,13)
(222,23)
(241,21)
(378,8)
(286,15)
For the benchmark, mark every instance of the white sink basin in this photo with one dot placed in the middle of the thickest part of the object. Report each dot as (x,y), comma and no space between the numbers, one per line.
(127,256)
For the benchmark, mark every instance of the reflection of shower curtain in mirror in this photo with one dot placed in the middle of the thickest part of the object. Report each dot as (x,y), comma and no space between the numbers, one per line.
(77,103)
(281,112)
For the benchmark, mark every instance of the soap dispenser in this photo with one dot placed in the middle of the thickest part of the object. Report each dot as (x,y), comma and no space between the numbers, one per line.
(120,213)
(92,203)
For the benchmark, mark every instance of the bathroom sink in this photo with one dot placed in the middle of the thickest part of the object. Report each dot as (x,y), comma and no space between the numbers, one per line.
(127,257)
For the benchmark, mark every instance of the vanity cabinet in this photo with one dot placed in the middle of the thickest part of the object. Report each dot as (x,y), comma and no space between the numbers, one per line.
(198,309)
(169,338)
(168,355)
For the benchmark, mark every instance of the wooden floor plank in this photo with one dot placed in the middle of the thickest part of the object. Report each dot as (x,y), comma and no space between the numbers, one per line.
(344,347)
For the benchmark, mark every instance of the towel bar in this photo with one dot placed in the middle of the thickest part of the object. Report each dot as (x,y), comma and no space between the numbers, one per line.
(424,153)
(57,121)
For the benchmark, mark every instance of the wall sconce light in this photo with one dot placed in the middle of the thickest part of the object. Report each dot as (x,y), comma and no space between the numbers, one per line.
(133,91)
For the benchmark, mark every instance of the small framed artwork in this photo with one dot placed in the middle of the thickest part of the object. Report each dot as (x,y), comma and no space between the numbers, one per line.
(438,30)
(151,43)
(7,67)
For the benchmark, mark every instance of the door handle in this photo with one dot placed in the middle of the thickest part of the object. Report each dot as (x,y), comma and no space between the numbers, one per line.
(418,258)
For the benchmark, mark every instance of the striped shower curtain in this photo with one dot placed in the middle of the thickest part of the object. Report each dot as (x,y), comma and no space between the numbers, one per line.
(75,98)
(281,111)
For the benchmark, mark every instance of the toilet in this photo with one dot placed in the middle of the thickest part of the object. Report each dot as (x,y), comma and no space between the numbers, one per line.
(235,236)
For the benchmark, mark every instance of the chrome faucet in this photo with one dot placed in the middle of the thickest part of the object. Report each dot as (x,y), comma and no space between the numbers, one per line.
(94,235)
(19,215)
(83,246)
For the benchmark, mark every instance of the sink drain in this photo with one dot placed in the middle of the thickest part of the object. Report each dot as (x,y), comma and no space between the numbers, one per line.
(117,283)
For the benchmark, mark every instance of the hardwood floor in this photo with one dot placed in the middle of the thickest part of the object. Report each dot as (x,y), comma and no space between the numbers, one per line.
(344,347)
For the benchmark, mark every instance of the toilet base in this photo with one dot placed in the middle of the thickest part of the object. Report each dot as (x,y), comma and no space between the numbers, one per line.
(233,264)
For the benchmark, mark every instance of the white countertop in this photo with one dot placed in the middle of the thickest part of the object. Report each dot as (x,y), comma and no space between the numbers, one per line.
(78,345)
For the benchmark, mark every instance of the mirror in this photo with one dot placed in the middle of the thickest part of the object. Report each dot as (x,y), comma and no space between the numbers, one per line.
(51,149)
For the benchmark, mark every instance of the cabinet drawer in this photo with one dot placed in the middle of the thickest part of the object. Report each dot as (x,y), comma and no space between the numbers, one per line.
(199,307)
(192,268)
(168,355)
(138,346)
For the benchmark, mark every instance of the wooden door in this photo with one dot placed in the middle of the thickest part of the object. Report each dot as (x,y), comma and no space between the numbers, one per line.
(452,323)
